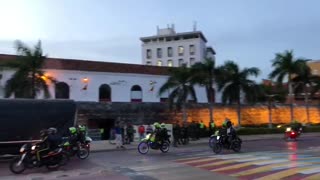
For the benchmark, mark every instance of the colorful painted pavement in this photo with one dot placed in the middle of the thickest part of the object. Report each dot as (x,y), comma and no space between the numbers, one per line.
(268,165)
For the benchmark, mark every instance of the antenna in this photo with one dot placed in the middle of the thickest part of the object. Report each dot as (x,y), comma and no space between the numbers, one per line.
(157,29)
(194,25)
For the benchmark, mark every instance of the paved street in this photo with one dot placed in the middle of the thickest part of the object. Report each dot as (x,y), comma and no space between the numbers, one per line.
(264,159)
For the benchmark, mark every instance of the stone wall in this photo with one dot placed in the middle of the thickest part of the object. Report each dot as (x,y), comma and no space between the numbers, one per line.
(143,113)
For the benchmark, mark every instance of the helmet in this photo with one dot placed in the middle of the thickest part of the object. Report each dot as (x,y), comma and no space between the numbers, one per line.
(52,130)
(156,125)
(72,130)
(82,128)
(163,125)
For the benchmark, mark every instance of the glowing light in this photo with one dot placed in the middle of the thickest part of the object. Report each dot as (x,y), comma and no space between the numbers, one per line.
(85,80)
(44,77)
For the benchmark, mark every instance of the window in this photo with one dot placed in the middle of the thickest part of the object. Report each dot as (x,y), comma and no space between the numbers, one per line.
(170,52)
(62,90)
(170,63)
(149,63)
(159,63)
(149,54)
(181,62)
(180,50)
(192,61)
(136,94)
(159,53)
(104,93)
(192,50)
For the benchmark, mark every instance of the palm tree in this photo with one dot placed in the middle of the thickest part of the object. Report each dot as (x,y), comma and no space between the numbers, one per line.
(204,74)
(28,79)
(304,81)
(234,82)
(286,66)
(180,83)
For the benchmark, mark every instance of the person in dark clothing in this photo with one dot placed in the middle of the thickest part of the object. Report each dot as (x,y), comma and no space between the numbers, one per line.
(50,141)
(185,134)
(164,133)
(227,131)
(130,133)
(176,134)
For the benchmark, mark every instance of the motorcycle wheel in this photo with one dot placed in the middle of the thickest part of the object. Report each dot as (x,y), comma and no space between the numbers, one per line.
(212,141)
(15,168)
(236,146)
(165,147)
(217,148)
(143,148)
(83,153)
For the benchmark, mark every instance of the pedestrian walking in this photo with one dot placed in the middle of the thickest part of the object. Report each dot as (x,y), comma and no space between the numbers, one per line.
(141,131)
(118,131)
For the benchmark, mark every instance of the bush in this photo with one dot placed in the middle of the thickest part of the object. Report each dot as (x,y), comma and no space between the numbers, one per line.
(251,131)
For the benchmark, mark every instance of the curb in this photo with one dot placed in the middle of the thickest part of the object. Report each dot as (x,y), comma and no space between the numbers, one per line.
(198,143)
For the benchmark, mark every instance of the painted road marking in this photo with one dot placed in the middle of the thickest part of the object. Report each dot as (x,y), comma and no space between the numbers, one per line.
(313,177)
(282,174)
(263,165)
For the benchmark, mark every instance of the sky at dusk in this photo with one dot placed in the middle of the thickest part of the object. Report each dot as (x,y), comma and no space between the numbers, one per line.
(249,32)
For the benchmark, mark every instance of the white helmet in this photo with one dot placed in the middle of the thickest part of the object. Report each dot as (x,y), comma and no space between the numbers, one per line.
(52,130)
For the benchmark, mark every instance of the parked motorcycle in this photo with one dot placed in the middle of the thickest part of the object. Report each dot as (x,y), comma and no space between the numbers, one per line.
(30,158)
(291,134)
(149,142)
(82,150)
(217,142)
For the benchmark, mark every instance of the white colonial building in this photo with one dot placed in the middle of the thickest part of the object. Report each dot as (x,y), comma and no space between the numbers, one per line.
(172,49)
(98,81)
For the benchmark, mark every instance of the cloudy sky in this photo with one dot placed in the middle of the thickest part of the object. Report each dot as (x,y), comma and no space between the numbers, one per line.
(249,32)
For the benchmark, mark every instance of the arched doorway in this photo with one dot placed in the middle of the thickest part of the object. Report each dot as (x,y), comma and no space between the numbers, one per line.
(136,93)
(62,90)
(105,93)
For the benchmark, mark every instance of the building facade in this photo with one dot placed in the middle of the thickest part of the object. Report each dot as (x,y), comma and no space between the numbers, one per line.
(96,81)
(172,49)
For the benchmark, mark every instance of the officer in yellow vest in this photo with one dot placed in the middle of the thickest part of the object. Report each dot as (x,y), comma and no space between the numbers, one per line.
(212,127)
(202,129)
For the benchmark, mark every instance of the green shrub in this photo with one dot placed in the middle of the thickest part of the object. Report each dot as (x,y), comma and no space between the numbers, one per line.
(262,130)
(249,131)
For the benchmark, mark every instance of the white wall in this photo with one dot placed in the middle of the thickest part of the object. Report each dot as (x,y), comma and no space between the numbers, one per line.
(120,84)
(197,42)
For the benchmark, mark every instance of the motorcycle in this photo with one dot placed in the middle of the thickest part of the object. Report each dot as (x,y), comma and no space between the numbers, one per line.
(30,158)
(217,142)
(149,142)
(82,150)
(291,134)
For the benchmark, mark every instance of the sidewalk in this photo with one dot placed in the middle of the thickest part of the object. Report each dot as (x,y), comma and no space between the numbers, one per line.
(105,146)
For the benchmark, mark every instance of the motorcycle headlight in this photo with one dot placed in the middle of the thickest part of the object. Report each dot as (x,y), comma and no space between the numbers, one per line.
(22,149)
(33,148)
(218,137)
